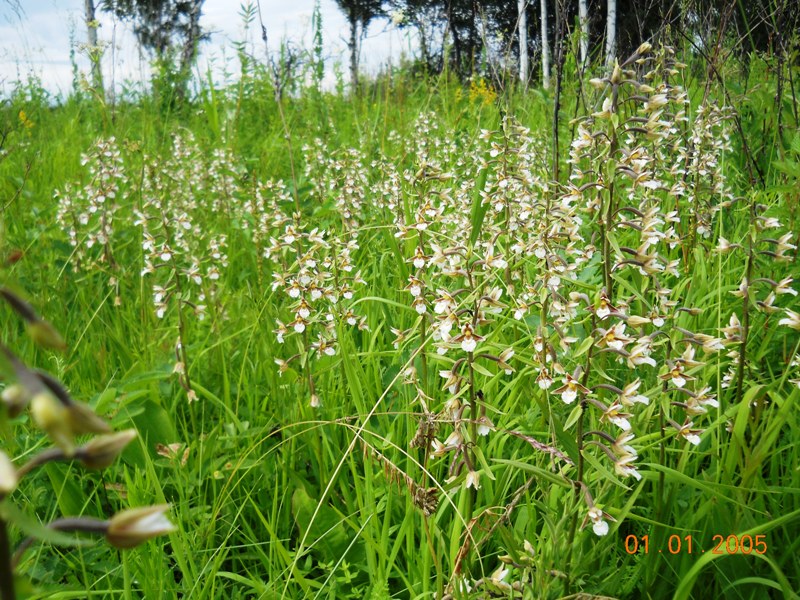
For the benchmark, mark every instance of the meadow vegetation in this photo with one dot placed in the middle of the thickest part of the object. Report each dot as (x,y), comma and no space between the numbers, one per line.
(399,343)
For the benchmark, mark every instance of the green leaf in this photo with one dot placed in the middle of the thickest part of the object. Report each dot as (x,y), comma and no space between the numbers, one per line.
(155,426)
(688,579)
(737,449)
(70,496)
(573,416)
(482,370)
(479,208)
(602,470)
(584,346)
(104,401)
(543,474)
(482,461)
(565,440)
(254,584)
(671,475)
(612,239)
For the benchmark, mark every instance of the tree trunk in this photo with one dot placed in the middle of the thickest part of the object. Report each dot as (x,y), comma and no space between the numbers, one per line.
(523,42)
(353,47)
(423,45)
(456,40)
(545,47)
(473,37)
(189,50)
(558,55)
(95,53)
(583,19)
(611,33)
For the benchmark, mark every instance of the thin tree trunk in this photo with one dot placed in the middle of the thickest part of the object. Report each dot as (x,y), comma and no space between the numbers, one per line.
(611,33)
(473,37)
(523,43)
(423,45)
(189,50)
(545,47)
(781,52)
(95,53)
(456,39)
(558,51)
(583,19)
(353,46)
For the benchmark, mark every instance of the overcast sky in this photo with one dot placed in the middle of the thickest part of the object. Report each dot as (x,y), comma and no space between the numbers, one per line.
(38,40)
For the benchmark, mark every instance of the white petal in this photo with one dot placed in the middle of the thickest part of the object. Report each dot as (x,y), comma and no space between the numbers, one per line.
(600,528)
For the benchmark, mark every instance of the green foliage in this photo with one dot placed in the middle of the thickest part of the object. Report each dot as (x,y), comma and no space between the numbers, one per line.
(275,498)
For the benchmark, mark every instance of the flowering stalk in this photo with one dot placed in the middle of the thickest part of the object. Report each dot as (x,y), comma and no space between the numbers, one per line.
(87,213)
(584,405)
(315,270)
(182,366)
(662,440)
(185,259)
(469,455)
(748,278)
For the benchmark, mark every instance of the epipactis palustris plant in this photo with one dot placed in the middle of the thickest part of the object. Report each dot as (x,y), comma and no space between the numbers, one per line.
(650,183)
(183,258)
(316,276)
(87,212)
(63,420)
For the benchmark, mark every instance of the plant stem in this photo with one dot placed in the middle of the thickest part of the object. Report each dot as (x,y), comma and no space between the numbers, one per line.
(6,572)
(423,332)
(183,357)
(82,524)
(46,456)
(662,444)
(578,483)
(746,307)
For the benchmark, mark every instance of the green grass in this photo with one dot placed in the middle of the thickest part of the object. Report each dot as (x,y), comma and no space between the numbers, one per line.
(276,499)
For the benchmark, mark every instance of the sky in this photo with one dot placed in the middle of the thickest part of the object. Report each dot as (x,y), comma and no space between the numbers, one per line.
(38,41)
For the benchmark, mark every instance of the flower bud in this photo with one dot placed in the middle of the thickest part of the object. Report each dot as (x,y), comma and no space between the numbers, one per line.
(45,335)
(8,475)
(637,321)
(135,526)
(529,549)
(656,101)
(102,451)
(616,75)
(506,559)
(52,417)
(16,397)
(22,308)
(82,419)
(644,48)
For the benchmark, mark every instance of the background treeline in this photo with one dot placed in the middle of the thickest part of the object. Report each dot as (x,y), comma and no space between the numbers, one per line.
(483,37)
